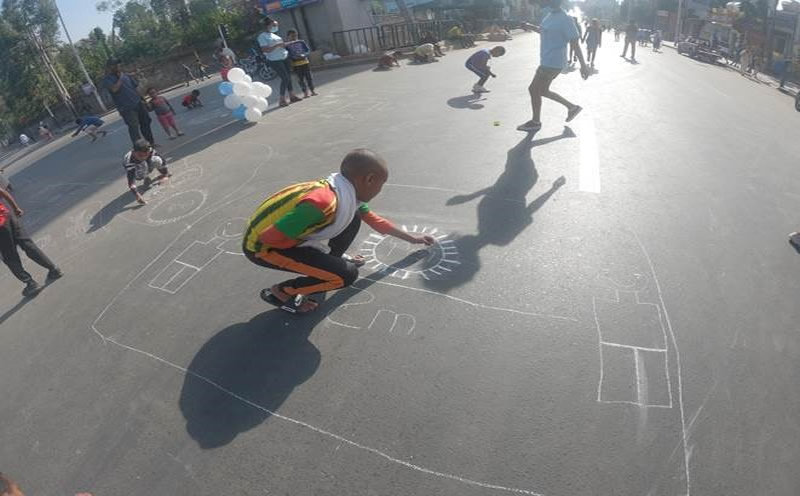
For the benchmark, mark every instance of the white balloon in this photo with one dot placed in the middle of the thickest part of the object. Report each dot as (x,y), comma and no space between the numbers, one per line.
(241,88)
(261,89)
(236,74)
(252,115)
(247,78)
(232,102)
(250,101)
(262,104)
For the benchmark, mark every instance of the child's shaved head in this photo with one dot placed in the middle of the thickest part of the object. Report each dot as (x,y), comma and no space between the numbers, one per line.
(362,162)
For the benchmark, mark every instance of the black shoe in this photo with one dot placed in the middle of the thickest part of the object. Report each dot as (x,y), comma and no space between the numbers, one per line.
(31,290)
(53,275)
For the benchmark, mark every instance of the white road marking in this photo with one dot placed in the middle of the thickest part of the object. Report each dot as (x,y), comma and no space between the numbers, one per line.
(589,172)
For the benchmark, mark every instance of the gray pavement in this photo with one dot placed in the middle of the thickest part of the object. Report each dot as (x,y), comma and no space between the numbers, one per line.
(632,332)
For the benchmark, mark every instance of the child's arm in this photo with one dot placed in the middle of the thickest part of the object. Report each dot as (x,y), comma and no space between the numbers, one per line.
(132,186)
(384,226)
(77,131)
(5,195)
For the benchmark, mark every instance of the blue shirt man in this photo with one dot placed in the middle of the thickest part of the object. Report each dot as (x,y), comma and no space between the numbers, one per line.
(130,105)
(557,31)
(126,97)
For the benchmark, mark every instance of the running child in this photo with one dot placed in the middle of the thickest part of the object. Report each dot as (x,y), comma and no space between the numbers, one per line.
(478,63)
(164,112)
(298,57)
(192,100)
(306,228)
(90,125)
(139,163)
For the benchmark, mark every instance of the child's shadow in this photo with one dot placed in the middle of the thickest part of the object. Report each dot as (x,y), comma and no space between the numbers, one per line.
(467,102)
(503,210)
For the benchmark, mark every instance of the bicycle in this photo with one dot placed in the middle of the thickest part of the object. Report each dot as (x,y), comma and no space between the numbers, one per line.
(256,67)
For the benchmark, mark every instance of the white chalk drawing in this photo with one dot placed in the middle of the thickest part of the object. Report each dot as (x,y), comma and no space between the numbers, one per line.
(631,335)
(108,337)
(438,260)
(384,319)
(176,207)
(197,256)
(409,321)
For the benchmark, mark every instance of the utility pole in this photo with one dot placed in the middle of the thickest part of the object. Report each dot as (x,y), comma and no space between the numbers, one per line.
(80,62)
(679,22)
(62,90)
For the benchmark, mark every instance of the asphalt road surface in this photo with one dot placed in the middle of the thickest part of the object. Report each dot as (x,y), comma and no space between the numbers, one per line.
(628,330)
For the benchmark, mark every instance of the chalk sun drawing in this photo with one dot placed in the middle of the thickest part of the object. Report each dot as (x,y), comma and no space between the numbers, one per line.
(437,262)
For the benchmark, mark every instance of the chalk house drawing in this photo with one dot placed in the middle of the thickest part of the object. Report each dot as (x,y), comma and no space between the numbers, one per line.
(634,365)
(198,255)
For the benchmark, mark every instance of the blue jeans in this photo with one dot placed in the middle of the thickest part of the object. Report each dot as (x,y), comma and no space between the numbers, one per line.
(282,68)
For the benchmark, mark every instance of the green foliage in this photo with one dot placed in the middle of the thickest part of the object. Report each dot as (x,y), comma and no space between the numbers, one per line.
(143,29)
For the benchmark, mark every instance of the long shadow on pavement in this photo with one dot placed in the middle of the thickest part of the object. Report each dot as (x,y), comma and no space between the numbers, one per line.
(503,211)
(261,361)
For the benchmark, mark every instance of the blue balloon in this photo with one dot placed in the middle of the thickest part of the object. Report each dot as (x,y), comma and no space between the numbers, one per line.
(239,112)
(225,88)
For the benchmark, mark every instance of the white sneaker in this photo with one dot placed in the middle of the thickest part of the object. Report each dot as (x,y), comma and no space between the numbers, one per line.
(479,89)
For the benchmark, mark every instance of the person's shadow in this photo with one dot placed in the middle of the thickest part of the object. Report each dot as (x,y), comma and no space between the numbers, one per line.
(247,370)
(118,205)
(467,102)
(503,211)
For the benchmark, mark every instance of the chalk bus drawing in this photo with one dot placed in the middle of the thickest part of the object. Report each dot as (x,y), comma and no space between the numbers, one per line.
(634,365)
(439,259)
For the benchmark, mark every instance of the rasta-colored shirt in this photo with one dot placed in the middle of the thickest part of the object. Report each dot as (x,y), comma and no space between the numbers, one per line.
(284,219)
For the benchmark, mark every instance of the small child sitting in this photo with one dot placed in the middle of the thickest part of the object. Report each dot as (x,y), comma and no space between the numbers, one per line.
(387,61)
(192,100)
(139,163)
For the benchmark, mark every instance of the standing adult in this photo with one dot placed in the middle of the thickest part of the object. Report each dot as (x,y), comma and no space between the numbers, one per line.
(557,31)
(572,58)
(278,59)
(13,236)
(593,39)
(129,102)
(631,33)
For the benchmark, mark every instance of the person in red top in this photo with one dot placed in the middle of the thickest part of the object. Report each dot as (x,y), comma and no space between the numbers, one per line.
(12,236)
(192,100)
(306,228)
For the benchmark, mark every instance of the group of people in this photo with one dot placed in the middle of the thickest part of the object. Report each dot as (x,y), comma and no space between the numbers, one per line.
(285,57)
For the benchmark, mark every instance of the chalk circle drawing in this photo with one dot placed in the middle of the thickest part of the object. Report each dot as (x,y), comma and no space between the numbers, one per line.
(435,262)
(176,207)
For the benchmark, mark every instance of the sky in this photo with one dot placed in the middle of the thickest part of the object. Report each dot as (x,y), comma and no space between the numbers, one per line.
(81,16)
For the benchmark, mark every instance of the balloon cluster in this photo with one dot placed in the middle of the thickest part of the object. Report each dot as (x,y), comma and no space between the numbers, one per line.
(245,97)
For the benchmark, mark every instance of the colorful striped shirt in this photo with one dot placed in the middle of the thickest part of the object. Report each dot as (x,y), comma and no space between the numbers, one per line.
(284,219)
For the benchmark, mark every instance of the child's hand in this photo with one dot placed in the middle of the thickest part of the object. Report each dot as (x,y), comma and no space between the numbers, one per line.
(19,212)
(424,239)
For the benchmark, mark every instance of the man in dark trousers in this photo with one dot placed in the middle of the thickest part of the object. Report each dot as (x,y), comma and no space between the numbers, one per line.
(631,33)
(129,102)
(13,236)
